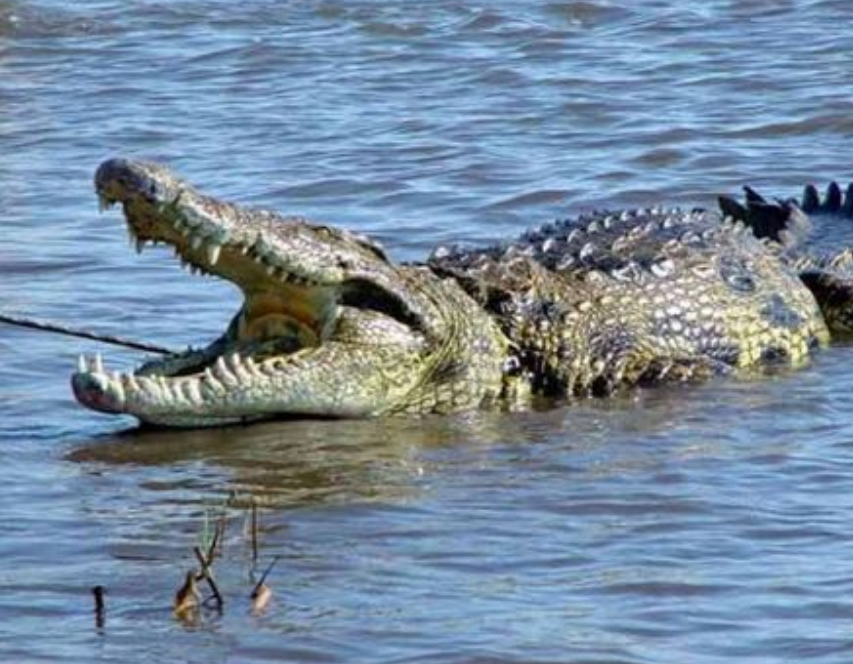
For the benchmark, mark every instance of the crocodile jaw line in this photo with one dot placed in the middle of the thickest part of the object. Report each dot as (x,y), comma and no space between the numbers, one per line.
(285,315)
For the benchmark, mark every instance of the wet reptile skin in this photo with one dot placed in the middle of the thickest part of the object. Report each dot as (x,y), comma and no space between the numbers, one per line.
(639,296)
(331,327)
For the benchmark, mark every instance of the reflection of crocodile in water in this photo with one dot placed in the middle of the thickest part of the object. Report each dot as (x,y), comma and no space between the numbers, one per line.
(330,327)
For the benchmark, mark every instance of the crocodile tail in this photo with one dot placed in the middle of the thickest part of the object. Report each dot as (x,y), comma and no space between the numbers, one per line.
(834,202)
(781,221)
(788,221)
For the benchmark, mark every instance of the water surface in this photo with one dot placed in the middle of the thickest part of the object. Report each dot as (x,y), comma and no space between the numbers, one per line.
(703,525)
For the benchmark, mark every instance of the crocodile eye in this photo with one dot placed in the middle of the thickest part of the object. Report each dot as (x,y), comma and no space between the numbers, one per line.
(741,283)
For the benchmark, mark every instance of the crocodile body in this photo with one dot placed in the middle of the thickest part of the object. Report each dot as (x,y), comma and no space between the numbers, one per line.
(331,327)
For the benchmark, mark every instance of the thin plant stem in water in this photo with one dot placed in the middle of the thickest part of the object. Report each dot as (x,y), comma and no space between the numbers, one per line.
(98,593)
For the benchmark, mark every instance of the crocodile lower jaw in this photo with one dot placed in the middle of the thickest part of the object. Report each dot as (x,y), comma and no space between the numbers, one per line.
(285,314)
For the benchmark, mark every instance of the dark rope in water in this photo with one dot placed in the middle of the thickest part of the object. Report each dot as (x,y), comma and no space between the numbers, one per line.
(21,321)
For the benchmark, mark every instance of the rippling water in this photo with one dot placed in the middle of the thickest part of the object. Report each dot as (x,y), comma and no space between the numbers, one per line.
(713,524)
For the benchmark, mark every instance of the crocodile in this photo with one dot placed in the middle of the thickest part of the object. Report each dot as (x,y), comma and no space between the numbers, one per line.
(331,327)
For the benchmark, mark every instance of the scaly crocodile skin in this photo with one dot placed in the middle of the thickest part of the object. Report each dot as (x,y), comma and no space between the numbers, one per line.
(331,327)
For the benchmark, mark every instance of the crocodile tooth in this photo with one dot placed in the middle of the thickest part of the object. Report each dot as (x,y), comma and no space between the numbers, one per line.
(253,368)
(98,364)
(234,362)
(196,241)
(211,383)
(132,382)
(268,368)
(213,250)
(100,380)
(243,375)
(170,389)
(173,390)
(162,382)
(116,388)
(270,269)
(221,369)
(81,364)
(192,391)
(149,385)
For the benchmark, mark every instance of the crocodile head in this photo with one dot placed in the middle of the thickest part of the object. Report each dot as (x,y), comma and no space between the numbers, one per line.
(328,326)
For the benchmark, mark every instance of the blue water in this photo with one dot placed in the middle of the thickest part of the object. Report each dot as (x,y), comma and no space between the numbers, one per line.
(702,525)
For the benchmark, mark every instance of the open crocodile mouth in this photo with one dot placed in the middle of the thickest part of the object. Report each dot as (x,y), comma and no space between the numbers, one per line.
(320,305)
(286,311)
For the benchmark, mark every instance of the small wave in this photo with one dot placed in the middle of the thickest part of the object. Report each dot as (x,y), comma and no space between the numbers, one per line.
(835,123)
(485,20)
(659,157)
(531,198)
(584,13)
(24,22)
(394,30)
